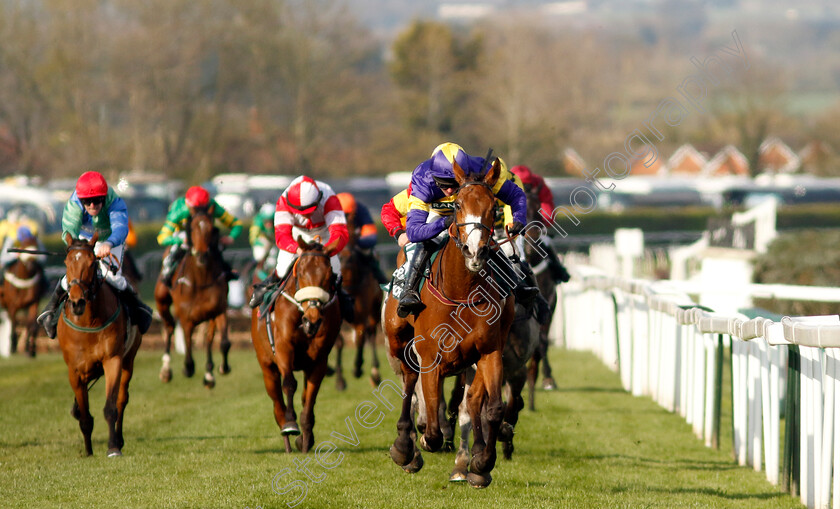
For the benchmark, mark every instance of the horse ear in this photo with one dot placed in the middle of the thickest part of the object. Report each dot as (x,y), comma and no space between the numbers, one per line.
(459,173)
(68,239)
(92,241)
(302,243)
(210,210)
(493,175)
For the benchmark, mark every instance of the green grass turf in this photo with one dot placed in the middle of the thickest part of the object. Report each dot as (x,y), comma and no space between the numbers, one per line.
(589,444)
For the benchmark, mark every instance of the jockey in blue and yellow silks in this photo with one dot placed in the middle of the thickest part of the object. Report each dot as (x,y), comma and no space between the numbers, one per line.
(433,191)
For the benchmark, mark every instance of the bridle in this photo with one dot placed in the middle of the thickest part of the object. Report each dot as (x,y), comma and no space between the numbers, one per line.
(88,289)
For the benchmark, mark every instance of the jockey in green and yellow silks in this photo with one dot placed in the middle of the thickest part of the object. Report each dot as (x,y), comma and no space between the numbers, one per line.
(173,234)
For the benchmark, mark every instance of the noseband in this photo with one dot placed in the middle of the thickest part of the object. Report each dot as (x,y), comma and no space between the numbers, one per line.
(310,296)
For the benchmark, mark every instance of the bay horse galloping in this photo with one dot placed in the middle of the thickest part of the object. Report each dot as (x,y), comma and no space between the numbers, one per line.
(298,335)
(199,294)
(24,283)
(466,321)
(548,289)
(96,338)
(360,283)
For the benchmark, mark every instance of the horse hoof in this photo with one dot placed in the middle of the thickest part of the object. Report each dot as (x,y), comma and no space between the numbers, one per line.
(357,372)
(375,379)
(224,370)
(479,480)
(165,375)
(507,450)
(399,457)
(448,446)
(505,432)
(548,384)
(340,385)
(114,453)
(188,372)
(416,464)
(209,382)
(299,443)
(290,428)
(457,476)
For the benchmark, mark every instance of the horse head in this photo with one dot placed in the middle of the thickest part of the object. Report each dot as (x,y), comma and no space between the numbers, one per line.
(82,272)
(203,234)
(315,285)
(475,209)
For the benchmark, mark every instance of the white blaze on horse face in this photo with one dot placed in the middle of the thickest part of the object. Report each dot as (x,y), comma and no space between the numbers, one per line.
(473,241)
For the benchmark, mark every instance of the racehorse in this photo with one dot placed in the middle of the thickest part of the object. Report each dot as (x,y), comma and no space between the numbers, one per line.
(23,286)
(360,283)
(199,294)
(96,338)
(466,321)
(548,289)
(298,335)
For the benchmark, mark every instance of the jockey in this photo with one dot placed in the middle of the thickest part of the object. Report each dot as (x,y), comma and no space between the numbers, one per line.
(307,209)
(174,235)
(534,182)
(24,235)
(261,236)
(433,189)
(83,217)
(365,233)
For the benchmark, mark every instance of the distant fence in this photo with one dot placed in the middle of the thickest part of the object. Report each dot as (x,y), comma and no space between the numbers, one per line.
(666,347)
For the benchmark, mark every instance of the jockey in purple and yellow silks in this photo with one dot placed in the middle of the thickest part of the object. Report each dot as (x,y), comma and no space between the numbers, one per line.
(96,209)
(433,192)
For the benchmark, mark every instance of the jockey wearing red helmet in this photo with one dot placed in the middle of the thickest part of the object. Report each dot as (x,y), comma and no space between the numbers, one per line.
(307,209)
(94,208)
(173,234)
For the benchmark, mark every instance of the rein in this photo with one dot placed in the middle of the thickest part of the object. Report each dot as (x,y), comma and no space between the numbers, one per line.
(308,294)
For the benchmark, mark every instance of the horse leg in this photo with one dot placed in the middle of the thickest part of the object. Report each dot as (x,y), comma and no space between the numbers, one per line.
(548,380)
(515,404)
(81,410)
(163,300)
(462,457)
(432,439)
(122,396)
(13,326)
(340,383)
(446,428)
(113,373)
(403,451)
(189,363)
(307,415)
(290,425)
(209,333)
(375,377)
(533,371)
(224,345)
(32,330)
(489,376)
(359,341)
(274,388)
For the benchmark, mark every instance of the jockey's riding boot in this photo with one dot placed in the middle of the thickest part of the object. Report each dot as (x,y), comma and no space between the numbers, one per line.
(558,272)
(169,263)
(140,313)
(261,288)
(410,301)
(345,302)
(48,319)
